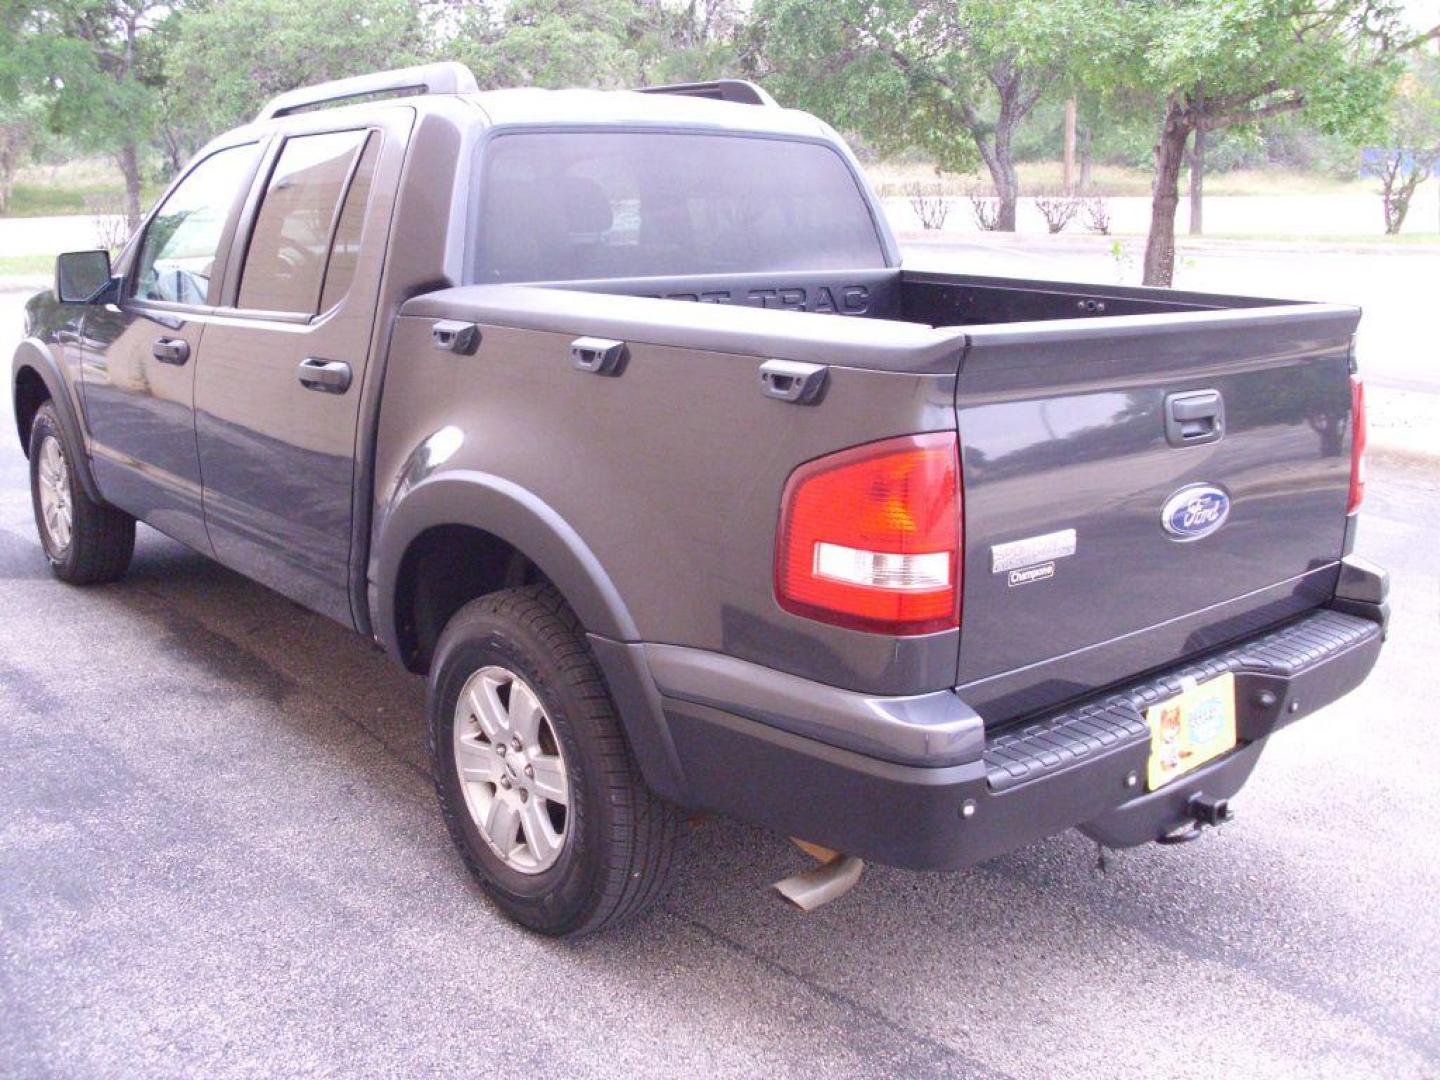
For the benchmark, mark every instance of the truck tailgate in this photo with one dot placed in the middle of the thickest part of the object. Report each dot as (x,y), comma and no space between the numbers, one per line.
(1063,427)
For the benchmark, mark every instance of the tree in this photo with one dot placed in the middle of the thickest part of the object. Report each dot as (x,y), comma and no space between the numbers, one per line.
(225,59)
(18,123)
(93,65)
(1208,65)
(551,43)
(1412,149)
(953,77)
(686,42)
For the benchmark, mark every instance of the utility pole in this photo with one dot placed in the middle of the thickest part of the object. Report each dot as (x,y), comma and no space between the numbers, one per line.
(1070,146)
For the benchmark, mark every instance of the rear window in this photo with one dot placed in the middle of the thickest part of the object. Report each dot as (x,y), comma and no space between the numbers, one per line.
(557,206)
(290,243)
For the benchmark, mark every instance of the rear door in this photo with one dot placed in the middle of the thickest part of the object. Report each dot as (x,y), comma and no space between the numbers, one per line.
(278,383)
(1141,489)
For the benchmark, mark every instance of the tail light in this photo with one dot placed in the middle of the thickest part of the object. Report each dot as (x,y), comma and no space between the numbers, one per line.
(870,538)
(1357,444)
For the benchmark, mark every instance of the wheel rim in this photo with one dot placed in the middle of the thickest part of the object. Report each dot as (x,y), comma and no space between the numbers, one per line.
(511,770)
(56,511)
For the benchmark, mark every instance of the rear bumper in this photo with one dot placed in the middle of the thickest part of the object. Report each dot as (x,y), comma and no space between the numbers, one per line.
(1083,766)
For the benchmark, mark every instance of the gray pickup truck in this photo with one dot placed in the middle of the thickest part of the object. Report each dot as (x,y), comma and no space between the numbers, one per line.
(616,415)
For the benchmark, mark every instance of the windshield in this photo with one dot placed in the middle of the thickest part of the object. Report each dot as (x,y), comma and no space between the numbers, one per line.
(560,206)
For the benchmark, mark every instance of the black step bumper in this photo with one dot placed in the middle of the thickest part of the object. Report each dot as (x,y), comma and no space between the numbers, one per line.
(1084,766)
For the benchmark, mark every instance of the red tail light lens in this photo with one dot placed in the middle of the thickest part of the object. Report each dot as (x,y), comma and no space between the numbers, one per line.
(870,538)
(1357,444)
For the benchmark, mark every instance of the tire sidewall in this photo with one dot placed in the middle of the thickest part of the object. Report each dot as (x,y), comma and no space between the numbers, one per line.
(557,897)
(46,424)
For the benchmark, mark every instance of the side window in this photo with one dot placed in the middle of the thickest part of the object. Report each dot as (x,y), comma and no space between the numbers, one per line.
(345,251)
(285,262)
(177,254)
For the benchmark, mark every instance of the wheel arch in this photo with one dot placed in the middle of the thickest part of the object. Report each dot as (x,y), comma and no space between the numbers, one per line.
(34,379)
(506,526)
(515,538)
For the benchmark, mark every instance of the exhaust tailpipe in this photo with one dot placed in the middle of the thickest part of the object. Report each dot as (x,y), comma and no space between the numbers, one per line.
(832,879)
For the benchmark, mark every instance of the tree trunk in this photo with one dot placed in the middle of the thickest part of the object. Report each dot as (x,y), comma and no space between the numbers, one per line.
(1197,183)
(1000,161)
(1070,146)
(1007,191)
(129,158)
(1169,161)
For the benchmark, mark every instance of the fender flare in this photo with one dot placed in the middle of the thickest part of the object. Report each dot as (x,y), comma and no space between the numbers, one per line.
(34,354)
(515,515)
(530,525)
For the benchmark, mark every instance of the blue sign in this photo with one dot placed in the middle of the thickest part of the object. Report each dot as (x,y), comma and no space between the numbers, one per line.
(1378,159)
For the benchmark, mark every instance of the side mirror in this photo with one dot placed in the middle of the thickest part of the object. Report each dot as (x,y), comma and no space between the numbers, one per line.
(82,276)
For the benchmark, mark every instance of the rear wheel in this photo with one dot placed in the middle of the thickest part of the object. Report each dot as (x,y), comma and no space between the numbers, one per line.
(85,542)
(536,781)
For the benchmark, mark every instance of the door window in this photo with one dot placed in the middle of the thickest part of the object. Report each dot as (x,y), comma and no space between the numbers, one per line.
(345,251)
(177,254)
(285,263)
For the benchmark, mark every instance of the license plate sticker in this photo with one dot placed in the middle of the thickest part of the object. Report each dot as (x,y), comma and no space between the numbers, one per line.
(1191,729)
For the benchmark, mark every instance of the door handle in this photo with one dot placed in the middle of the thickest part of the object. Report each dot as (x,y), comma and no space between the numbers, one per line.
(1194,417)
(327,376)
(171,350)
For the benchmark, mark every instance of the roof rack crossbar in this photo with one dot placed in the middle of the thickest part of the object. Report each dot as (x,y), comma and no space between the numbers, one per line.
(740,90)
(448,77)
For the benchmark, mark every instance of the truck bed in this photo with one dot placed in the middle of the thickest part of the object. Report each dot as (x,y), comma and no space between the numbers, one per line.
(1058,393)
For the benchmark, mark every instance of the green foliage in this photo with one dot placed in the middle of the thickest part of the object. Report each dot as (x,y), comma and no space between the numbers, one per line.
(1217,64)
(1412,121)
(1412,140)
(94,64)
(1249,59)
(598,43)
(226,58)
(953,77)
(552,43)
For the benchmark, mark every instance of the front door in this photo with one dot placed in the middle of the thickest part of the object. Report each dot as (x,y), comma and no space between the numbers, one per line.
(278,385)
(139,360)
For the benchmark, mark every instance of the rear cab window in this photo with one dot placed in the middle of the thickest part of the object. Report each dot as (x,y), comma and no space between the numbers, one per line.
(557,206)
(305,239)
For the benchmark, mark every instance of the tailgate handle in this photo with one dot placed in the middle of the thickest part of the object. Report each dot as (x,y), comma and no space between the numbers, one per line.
(1194,417)
(792,380)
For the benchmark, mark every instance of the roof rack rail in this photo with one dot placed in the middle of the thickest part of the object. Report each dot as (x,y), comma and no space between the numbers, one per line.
(448,77)
(740,90)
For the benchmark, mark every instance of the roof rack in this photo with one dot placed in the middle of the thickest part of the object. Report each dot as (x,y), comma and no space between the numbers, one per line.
(443,78)
(740,90)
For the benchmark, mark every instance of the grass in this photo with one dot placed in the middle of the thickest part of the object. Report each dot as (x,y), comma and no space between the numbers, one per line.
(1380,240)
(87,186)
(26,265)
(892,177)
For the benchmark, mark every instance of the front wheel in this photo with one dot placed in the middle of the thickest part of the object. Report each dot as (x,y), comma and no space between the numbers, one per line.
(85,541)
(536,781)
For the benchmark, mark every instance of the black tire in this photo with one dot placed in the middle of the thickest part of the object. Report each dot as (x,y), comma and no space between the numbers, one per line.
(619,839)
(102,539)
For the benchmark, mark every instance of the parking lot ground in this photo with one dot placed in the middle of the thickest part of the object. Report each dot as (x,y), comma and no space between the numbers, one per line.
(220,854)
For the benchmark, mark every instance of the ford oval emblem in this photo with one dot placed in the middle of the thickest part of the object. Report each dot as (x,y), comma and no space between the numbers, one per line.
(1195,511)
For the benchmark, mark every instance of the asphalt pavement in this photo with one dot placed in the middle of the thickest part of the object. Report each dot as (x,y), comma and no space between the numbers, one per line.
(220,855)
